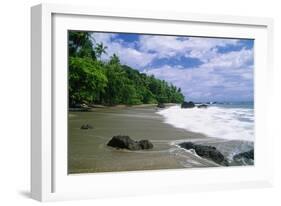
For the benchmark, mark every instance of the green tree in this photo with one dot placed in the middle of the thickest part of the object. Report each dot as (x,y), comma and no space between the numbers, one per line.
(87,80)
(80,44)
(94,81)
(100,49)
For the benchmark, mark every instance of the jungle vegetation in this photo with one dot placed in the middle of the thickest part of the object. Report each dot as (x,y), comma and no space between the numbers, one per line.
(94,81)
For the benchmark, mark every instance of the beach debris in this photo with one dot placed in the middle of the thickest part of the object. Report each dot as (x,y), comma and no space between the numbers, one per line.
(246,158)
(125,142)
(202,106)
(79,107)
(205,151)
(161,105)
(86,126)
(185,105)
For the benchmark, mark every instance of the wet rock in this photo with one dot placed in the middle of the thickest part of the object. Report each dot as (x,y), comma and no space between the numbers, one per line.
(125,142)
(204,151)
(185,105)
(245,155)
(145,144)
(187,145)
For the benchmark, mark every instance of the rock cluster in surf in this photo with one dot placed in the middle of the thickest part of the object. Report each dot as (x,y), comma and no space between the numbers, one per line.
(185,105)
(190,104)
(212,153)
(125,142)
(204,151)
(245,157)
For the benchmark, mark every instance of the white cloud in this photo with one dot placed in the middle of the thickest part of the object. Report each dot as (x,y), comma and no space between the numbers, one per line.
(227,75)
(195,47)
(220,75)
(105,38)
(234,59)
(151,47)
(164,46)
(127,53)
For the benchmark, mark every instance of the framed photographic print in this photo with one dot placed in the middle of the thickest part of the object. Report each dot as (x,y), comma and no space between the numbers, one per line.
(133,102)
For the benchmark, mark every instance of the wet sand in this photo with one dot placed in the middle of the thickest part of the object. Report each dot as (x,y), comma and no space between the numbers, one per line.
(87,150)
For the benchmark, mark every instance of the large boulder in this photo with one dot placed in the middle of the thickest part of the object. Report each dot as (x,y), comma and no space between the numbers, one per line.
(204,151)
(125,142)
(187,105)
(187,145)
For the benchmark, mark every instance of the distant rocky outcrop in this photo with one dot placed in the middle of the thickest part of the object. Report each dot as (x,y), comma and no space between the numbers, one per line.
(86,126)
(202,106)
(185,105)
(211,102)
(161,105)
(125,142)
(204,151)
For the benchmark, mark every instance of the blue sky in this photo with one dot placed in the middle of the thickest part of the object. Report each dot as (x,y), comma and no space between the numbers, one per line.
(206,69)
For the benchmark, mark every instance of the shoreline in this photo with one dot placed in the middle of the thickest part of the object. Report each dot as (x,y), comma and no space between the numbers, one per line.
(88,152)
(118,106)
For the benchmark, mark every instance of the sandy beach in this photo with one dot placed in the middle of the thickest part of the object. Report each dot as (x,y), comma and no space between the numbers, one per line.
(88,151)
(193,104)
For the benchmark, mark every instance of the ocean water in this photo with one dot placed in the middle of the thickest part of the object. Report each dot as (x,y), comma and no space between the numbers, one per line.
(231,121)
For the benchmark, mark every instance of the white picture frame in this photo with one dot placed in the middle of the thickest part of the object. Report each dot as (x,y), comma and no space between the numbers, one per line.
(49,179)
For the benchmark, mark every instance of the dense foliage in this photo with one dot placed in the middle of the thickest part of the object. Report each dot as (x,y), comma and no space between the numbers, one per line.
(92,80)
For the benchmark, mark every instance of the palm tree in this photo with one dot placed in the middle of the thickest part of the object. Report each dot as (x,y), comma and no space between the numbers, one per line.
(78,39)
(81,44)
(100,49)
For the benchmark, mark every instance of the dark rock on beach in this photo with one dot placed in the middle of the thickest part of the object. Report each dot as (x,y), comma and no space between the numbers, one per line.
(125,142)
(245,157)
(187,105)
(145,144)
(161,105)
(204,151)
(86,126)
(187,145)
(202,106)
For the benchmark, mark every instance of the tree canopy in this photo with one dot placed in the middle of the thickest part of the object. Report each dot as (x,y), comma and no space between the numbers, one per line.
(92,80)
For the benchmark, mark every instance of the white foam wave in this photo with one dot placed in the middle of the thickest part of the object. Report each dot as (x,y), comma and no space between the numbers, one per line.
(218,122)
